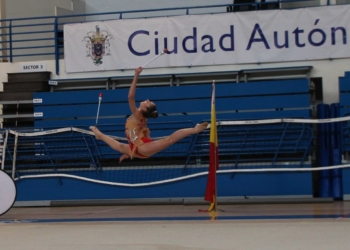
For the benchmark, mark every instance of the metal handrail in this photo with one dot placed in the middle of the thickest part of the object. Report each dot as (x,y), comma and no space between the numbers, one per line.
(276,146)
(48,145)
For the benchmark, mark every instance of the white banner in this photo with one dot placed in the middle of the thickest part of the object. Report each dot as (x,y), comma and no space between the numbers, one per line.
(194,40)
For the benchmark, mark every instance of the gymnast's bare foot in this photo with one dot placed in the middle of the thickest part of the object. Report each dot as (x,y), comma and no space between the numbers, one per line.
(200,127)
(123,157)
(96,132)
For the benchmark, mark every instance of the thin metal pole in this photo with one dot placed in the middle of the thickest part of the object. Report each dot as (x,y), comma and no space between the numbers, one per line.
(10,38)
(17,114)
(57,54)
(4,150)
(14,156)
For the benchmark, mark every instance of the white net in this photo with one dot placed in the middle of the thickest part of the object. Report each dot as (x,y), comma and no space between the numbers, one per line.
(244,146)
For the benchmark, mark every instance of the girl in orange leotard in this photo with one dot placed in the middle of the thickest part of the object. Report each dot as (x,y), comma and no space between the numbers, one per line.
(136,130)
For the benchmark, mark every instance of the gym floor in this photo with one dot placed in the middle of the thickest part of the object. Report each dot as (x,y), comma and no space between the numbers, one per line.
(240,226)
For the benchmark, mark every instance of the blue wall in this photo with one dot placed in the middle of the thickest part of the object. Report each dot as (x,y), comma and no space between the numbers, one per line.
(257,184)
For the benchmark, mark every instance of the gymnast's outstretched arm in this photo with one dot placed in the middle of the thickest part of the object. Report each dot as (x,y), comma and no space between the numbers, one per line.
(132,92)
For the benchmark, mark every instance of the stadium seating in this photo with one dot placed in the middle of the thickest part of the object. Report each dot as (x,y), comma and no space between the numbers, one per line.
(184,106)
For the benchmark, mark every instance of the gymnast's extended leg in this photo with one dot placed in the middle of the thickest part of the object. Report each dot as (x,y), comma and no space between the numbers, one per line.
(154,147)
(114,144)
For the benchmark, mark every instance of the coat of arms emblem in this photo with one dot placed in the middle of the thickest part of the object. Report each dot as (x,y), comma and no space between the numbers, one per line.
(97,45)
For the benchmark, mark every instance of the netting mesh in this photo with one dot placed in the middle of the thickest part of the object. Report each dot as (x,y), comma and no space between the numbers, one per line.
(75,152)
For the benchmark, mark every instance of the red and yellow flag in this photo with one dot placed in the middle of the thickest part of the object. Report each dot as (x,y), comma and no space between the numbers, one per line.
(210,194)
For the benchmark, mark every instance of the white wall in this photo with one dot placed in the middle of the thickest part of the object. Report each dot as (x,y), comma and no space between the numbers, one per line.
(78,7)
(93,6)
(62,11)
(34,8)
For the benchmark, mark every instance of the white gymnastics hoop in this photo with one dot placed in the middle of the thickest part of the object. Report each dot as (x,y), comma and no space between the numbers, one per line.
(8,192)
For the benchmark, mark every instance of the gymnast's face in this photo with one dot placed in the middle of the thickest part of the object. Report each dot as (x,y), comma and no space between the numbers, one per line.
(145,104)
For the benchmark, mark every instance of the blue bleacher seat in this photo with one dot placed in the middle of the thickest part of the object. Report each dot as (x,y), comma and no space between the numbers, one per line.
(184,106)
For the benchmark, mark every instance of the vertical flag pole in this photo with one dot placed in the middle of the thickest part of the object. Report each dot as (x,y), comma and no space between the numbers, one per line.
(215,151)
(211,189)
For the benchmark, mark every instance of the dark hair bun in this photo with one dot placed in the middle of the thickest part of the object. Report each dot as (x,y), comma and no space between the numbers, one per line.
(150,112)
(154,114)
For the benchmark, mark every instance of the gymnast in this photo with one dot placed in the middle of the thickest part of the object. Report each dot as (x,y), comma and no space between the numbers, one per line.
(137,133)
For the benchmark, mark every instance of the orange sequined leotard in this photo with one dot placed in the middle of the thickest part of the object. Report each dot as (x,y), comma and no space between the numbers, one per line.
(137,133)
